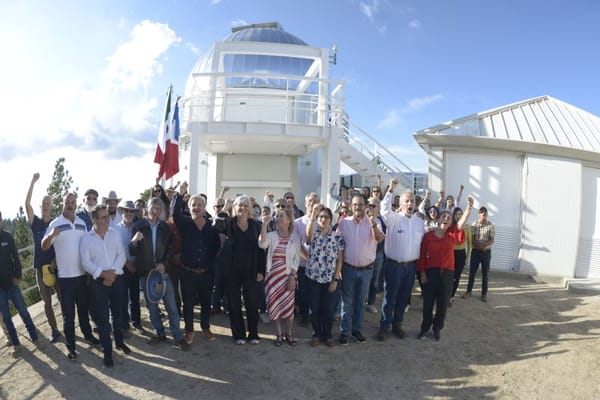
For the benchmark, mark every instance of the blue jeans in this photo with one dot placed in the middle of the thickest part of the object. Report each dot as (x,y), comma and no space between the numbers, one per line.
(377,271)
(16,297)
(170,305)
(109,298)
(75,292)
(399,281)
(131,291)
(484,257)
(355,285)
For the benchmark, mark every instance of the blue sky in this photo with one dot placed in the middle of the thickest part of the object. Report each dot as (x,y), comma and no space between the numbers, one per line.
(86,80)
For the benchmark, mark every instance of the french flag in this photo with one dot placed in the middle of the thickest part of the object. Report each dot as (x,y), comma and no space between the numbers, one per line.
(167,148)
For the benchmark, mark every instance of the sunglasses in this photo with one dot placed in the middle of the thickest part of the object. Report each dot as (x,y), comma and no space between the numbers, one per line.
(279,206)
(218,206)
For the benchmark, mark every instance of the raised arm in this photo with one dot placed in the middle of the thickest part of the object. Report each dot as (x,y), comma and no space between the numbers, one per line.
(425,201)
(440,199)
(458,197)
(28,208)
(224,190)
(465,217)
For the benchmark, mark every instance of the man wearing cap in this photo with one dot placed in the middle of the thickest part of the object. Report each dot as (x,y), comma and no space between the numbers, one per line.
(65,233)
(200,244)
(90,200)
(151,245)
(10,273)
(484,233)
(103,256)
(131,287)
(41,257)
(112,201)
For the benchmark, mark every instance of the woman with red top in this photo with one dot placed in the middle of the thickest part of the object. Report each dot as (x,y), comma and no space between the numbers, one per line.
(436,268)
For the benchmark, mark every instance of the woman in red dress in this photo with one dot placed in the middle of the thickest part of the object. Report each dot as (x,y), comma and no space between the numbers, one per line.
(283,258)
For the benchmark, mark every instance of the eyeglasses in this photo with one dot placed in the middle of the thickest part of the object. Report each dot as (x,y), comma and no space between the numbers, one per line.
(372,205)
(289,198)
(279,206)
(218,206)
(157,190)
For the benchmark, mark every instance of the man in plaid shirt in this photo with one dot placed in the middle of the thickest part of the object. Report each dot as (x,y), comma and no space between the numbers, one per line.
(483,237)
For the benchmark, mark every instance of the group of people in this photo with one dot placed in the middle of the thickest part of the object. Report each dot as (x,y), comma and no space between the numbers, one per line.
(281,260)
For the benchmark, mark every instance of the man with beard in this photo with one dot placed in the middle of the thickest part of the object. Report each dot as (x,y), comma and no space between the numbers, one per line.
(90,200)
(200,244)
(65,233)
(361,233)
(112,201)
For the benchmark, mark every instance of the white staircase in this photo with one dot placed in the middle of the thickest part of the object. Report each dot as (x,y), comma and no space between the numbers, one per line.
(369,158)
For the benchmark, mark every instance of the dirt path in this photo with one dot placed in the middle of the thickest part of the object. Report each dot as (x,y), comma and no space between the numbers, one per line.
(530,341)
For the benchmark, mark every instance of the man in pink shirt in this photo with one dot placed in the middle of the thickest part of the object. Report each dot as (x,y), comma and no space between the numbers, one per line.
(361,233)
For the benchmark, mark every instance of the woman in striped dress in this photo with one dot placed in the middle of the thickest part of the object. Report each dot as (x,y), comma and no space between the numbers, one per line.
(283,258)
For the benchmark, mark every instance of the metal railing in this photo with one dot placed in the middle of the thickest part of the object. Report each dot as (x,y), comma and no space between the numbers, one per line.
(289,99)
(379,154)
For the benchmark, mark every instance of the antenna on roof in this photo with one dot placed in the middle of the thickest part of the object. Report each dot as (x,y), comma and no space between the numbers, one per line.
(333,58)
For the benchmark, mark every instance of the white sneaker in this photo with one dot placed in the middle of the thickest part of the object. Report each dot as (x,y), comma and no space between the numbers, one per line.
(371,309)
(264,318)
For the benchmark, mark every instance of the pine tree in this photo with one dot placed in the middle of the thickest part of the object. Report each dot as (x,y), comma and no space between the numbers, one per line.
(59,186)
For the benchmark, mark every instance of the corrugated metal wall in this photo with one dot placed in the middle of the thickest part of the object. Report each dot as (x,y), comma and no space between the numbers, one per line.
(588,254)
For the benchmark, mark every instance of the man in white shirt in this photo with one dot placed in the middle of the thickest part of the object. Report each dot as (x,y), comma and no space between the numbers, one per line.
(65,233)
(402,245)
(103,256)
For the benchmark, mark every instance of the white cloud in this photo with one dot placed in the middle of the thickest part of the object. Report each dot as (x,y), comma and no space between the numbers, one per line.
(238,22)
(215,2)
(369,10)
(415,24)
(420,102)
(395,117)
(190,46)
(391,120)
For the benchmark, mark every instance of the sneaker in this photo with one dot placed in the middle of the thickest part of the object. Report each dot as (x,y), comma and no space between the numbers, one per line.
(54,337)
(343,340)
(16,353)
(466,295)
(484,298)
(371,309)
(71,355)
(182,345)
(381,335)
(422,335)
(240,342)
(157,339)
(398,331)
(264,318)
(359,337)
(189,337)
(254,341)
(208,335)
(92,340)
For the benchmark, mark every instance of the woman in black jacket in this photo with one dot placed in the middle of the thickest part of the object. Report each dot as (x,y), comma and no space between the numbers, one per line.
(242,271)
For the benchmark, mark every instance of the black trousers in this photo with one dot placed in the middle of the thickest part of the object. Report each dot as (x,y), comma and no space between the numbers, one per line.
(196,286)
(436,291)
(109,300)
(460,257)
(235,285)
